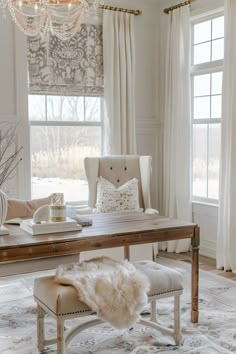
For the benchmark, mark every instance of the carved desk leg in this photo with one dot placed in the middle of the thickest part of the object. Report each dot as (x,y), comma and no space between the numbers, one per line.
(195,274)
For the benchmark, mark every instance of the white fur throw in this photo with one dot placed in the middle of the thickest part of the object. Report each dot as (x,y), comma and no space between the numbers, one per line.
(115,290)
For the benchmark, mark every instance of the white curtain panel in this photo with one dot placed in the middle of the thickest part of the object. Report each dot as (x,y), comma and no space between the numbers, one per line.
(177,151)
(226,240)
(119,71)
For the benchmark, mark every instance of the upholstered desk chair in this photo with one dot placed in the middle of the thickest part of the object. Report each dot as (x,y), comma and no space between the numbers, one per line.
(119,169)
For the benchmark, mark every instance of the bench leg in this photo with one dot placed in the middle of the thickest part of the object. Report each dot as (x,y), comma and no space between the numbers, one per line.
(177,328)
(40,328)
(154,311)
(60,337)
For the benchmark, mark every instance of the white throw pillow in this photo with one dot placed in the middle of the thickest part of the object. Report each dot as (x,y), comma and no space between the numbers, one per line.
(112,199)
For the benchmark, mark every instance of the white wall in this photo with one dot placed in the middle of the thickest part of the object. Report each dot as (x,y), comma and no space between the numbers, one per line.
(13,97)
(7,81)
(7,70)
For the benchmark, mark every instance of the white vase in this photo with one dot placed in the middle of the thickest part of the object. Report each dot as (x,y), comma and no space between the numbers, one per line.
(3,213)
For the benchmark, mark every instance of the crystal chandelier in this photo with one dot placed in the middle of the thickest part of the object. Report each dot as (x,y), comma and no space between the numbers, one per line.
(62,18)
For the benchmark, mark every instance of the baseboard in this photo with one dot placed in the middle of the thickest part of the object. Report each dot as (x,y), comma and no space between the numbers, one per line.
(208,252)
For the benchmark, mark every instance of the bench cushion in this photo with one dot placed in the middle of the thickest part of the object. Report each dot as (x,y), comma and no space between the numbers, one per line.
(63,300)
(162,279)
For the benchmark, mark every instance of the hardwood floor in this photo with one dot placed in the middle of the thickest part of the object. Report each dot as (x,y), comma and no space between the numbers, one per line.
(206,263)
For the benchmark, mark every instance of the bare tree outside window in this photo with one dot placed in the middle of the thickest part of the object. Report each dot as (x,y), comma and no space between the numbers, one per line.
(58,150)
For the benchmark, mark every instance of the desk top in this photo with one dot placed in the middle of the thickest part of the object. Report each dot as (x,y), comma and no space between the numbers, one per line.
(108,230)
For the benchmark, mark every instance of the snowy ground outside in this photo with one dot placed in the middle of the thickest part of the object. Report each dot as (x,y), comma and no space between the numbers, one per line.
(74,190)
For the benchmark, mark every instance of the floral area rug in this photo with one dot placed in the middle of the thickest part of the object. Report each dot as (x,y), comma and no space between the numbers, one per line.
(214,334)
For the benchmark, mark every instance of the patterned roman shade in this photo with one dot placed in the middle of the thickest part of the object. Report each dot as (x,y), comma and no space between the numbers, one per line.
(72,67)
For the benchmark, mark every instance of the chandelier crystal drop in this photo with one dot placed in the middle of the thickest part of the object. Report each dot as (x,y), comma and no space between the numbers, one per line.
(62,18)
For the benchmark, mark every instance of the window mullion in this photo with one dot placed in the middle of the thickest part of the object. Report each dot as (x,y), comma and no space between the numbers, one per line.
(46,107)
(210,92)
(200,69)
(211,42)
(207,121)
(65,123)
(208,160)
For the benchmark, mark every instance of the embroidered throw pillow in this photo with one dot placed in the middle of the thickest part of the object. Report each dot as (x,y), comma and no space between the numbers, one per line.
(112,199)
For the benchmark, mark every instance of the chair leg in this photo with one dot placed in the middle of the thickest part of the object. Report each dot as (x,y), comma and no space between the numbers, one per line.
(177,328)
(40,328)
(127,252)
(60,337)
(154,311)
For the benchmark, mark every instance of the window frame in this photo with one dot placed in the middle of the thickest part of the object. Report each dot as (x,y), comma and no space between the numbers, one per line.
(201,69)
(70,123)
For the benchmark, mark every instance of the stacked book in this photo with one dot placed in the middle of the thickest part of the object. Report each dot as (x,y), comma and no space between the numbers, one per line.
(48,227)
(81,215)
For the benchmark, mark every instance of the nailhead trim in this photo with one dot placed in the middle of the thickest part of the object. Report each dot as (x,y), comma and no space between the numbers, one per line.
(73,313)
(165,292)
(63,314)
(83,311)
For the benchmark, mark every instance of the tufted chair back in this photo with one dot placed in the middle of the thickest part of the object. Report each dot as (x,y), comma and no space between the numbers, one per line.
(118,169)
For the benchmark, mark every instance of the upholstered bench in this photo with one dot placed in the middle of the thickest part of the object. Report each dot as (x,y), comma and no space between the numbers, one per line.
(61,302)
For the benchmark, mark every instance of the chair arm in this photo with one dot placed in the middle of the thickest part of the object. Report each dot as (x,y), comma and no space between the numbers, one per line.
(151,211)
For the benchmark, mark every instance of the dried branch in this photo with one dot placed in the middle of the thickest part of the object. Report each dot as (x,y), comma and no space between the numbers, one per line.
(8,160)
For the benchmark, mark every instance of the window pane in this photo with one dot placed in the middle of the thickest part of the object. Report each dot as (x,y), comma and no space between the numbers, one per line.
(218,27)
(214,160)
(202,32)
(201,107)
(65,108)
(58,159)
(218,49)
(93,108)
(202,85)
(36,107)
(54,107)
(216,83)
(200,160)
(202,53)
(73,109)
(216,106)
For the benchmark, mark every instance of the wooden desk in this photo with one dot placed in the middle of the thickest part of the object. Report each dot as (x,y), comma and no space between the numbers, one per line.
(108,230)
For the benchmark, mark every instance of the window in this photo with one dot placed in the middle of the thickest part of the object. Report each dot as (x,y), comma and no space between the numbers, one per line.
(65,87)
(207,72)
(63,130)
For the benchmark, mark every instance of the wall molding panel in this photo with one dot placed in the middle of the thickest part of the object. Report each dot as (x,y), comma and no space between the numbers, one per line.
(206,216)
(11,118)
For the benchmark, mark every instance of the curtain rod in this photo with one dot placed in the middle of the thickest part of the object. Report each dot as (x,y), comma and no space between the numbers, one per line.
(169,9)
(120,9)
(74,2)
